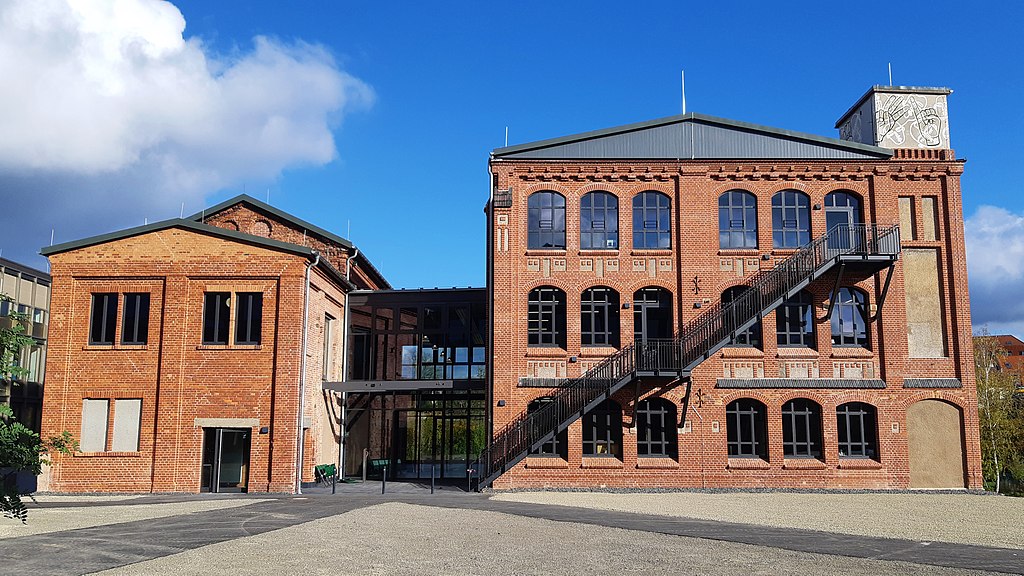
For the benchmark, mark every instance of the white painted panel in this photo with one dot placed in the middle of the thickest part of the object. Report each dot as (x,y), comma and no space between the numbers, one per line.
(127,415)
(94,425)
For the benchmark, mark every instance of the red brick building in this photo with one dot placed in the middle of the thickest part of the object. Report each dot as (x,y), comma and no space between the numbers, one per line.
(1014,361)
(176,352)
(699,302)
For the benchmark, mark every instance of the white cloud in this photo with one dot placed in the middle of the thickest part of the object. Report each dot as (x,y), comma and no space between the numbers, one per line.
(105,105)
(995,263)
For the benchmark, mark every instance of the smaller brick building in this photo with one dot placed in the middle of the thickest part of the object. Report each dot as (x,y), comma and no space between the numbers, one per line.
(177,352)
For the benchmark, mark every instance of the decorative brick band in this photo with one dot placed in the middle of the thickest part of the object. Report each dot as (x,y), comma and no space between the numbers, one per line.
(932,383)
(799,383)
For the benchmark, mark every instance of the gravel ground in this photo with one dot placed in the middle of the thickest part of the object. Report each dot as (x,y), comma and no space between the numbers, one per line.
(959,518)
(44,520)
(406,539)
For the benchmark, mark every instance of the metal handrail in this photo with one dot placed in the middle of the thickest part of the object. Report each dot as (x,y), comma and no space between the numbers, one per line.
(767,289)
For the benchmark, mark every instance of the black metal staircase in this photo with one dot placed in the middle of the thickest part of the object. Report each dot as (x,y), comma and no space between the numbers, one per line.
(856,247)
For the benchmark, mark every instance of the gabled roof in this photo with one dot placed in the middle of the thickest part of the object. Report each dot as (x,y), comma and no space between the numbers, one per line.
(692,136)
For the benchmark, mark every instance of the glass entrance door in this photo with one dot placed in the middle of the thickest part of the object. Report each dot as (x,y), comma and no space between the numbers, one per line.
(440,436)
(652,314)
(225,460)
(842,209)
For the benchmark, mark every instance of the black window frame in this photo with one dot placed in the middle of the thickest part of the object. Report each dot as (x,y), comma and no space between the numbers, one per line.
(791,219)
(216,318)
(558,446)
(599,317)
(135,319)
(652,219)
(546,318)
(751,337)
(602,431)
(801,429)
(248,311)
(746,427)
(656,435)
(852,303)
(743,204)
(545,221)
(857,430)
(103,319)
(601,207)
(794,322)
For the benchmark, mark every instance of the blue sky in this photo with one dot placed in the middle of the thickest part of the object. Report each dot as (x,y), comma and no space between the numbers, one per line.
(417,94)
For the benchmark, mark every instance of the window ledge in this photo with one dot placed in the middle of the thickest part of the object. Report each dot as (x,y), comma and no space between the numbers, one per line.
(599,252)
(656,463)
(546,252)
(229,347)
(599,352)
(859,464)
(610,462)
(851,352)
(107,454)
(747,464)
(803,464)
(796,352)
(115,347)
(651,252)
(545,352)
(742,352)
(739,252)
(546,463)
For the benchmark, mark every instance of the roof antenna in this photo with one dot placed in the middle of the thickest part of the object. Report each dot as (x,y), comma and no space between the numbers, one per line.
(51,236)
(348,232)
(506,136)
(890,73)
(682,85)
(181,213)
(145,221)
(268,195)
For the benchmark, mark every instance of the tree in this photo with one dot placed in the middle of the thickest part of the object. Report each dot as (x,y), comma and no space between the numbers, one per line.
(1000,413)
(12,340)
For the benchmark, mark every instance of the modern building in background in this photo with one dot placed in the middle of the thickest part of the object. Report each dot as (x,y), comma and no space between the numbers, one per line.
(29,293)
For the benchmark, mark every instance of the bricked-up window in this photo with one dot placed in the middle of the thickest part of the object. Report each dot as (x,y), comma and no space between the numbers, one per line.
(599,221)
(791,219)
(599,317)
(135,319)
(794,321)
(652,220)
(103,318)
(857,431)
(751,336)
(849,318)
(96,424)
(602,430)
(328,357)
(747,429)
(216,317)
(737,220)
(546,317)
(558,447)
(248,318)
(656,428)
(546,220)
(801,429)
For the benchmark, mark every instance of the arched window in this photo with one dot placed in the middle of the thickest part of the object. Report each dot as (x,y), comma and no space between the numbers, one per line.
(602,430)
(856,429)
(652,314)
(747,429)
(656,428)
(652,220)
(751,336)
(546,317)
(557,447)
(546,220)
(794,321)
(599,221)
(849,318)
(737,220)
(791,219)
(801,429)
(599,317)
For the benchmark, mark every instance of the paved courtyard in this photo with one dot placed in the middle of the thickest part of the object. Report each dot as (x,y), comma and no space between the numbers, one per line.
(409,531)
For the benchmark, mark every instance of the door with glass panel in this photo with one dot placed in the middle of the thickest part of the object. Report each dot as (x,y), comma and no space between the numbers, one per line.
(842,212)
(225,460)
(652,325)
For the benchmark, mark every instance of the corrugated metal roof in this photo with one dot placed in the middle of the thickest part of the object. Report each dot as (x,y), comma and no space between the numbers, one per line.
(692,136)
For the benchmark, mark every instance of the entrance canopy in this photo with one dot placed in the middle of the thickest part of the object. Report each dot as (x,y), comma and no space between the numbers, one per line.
(388,385)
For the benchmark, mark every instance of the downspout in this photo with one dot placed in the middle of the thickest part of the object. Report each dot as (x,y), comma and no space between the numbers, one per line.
(342,436)
(302,379)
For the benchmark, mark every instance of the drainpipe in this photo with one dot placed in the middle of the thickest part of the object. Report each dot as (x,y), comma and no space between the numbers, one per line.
(302,378)
(342,436)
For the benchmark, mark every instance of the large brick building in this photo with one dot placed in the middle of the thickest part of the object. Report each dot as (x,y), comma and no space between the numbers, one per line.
(728,304)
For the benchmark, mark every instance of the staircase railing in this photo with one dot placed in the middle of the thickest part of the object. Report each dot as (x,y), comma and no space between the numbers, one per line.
(698,339)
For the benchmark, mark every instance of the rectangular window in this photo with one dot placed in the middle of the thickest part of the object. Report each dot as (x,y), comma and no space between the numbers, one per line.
(127,415)
(103,318)
(248,317)
(328,357)
(135,320)
(95,414)
(216,317)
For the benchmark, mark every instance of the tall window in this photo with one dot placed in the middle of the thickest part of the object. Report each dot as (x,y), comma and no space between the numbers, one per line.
(248,317)
(747,429)
(103,320)
(216,317)
(751,336)
(652,220)
(794,321)
(737,220)
(656,428)
(599,221)
(849,318)
(791,219)
(602,430)
(856,429)
(801,429)
(546,220)
(328,355)
(599,317)
(558,447)
(135,320)
(546,317)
